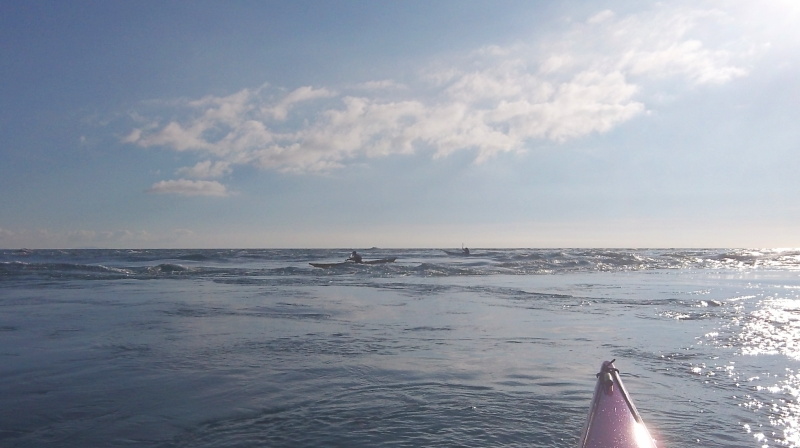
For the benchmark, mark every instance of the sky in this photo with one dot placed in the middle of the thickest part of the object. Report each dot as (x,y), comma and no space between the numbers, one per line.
(399,124)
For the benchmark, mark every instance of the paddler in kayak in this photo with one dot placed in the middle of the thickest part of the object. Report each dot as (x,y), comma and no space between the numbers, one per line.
(354,257)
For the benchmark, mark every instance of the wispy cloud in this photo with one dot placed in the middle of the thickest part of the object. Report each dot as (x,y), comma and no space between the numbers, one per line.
(185,187)
(206,170)
(498,99)
(48,238)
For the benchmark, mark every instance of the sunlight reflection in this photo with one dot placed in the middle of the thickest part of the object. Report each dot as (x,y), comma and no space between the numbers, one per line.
(642,436)
(772,329)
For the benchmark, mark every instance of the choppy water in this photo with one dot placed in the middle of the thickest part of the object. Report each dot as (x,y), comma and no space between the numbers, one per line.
(256,348)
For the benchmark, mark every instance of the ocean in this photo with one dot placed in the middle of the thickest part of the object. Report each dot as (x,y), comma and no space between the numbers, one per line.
(257,348)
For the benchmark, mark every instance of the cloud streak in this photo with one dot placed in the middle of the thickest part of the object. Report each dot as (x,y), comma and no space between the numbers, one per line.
(121,238)
(495,100)
(186,187)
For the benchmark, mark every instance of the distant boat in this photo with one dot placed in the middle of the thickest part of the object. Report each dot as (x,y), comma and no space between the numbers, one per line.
(350,263)
(460,253)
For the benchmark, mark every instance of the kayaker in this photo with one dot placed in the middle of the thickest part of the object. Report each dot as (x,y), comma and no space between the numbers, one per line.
(354,257)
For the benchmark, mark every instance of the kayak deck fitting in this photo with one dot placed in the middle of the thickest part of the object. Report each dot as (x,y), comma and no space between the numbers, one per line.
(613,420)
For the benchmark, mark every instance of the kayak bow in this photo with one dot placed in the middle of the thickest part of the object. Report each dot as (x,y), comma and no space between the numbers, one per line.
(613,420)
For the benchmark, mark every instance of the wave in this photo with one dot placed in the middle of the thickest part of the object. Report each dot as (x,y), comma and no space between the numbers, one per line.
(25,270)
(237,265)
(16,266)
(168,267)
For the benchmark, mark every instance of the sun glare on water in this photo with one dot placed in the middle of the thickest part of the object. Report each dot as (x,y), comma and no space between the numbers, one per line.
(773,329)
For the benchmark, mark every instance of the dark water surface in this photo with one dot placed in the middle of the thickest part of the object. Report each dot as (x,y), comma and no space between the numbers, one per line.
(256,348)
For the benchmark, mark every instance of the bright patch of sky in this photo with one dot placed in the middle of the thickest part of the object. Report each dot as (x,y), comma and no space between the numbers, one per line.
(399,124)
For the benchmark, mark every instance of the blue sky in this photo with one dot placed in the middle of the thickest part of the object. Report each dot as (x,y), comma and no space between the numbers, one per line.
(356,124)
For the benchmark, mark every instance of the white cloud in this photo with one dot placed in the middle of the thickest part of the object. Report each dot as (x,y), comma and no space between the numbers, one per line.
(281,110)
(381,85)
(135,136)
(586,80)
(668,43)
(206,170)
(186,187)
(176,136)
(601,16)
(689,59)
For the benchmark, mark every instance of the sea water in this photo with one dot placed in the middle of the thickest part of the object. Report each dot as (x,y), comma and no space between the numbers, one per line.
(256,348)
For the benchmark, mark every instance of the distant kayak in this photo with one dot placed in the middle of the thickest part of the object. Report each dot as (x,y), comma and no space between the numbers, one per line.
(613,420)
(351,263)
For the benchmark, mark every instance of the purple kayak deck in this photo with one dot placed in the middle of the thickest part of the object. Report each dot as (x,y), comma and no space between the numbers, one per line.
(613,420)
